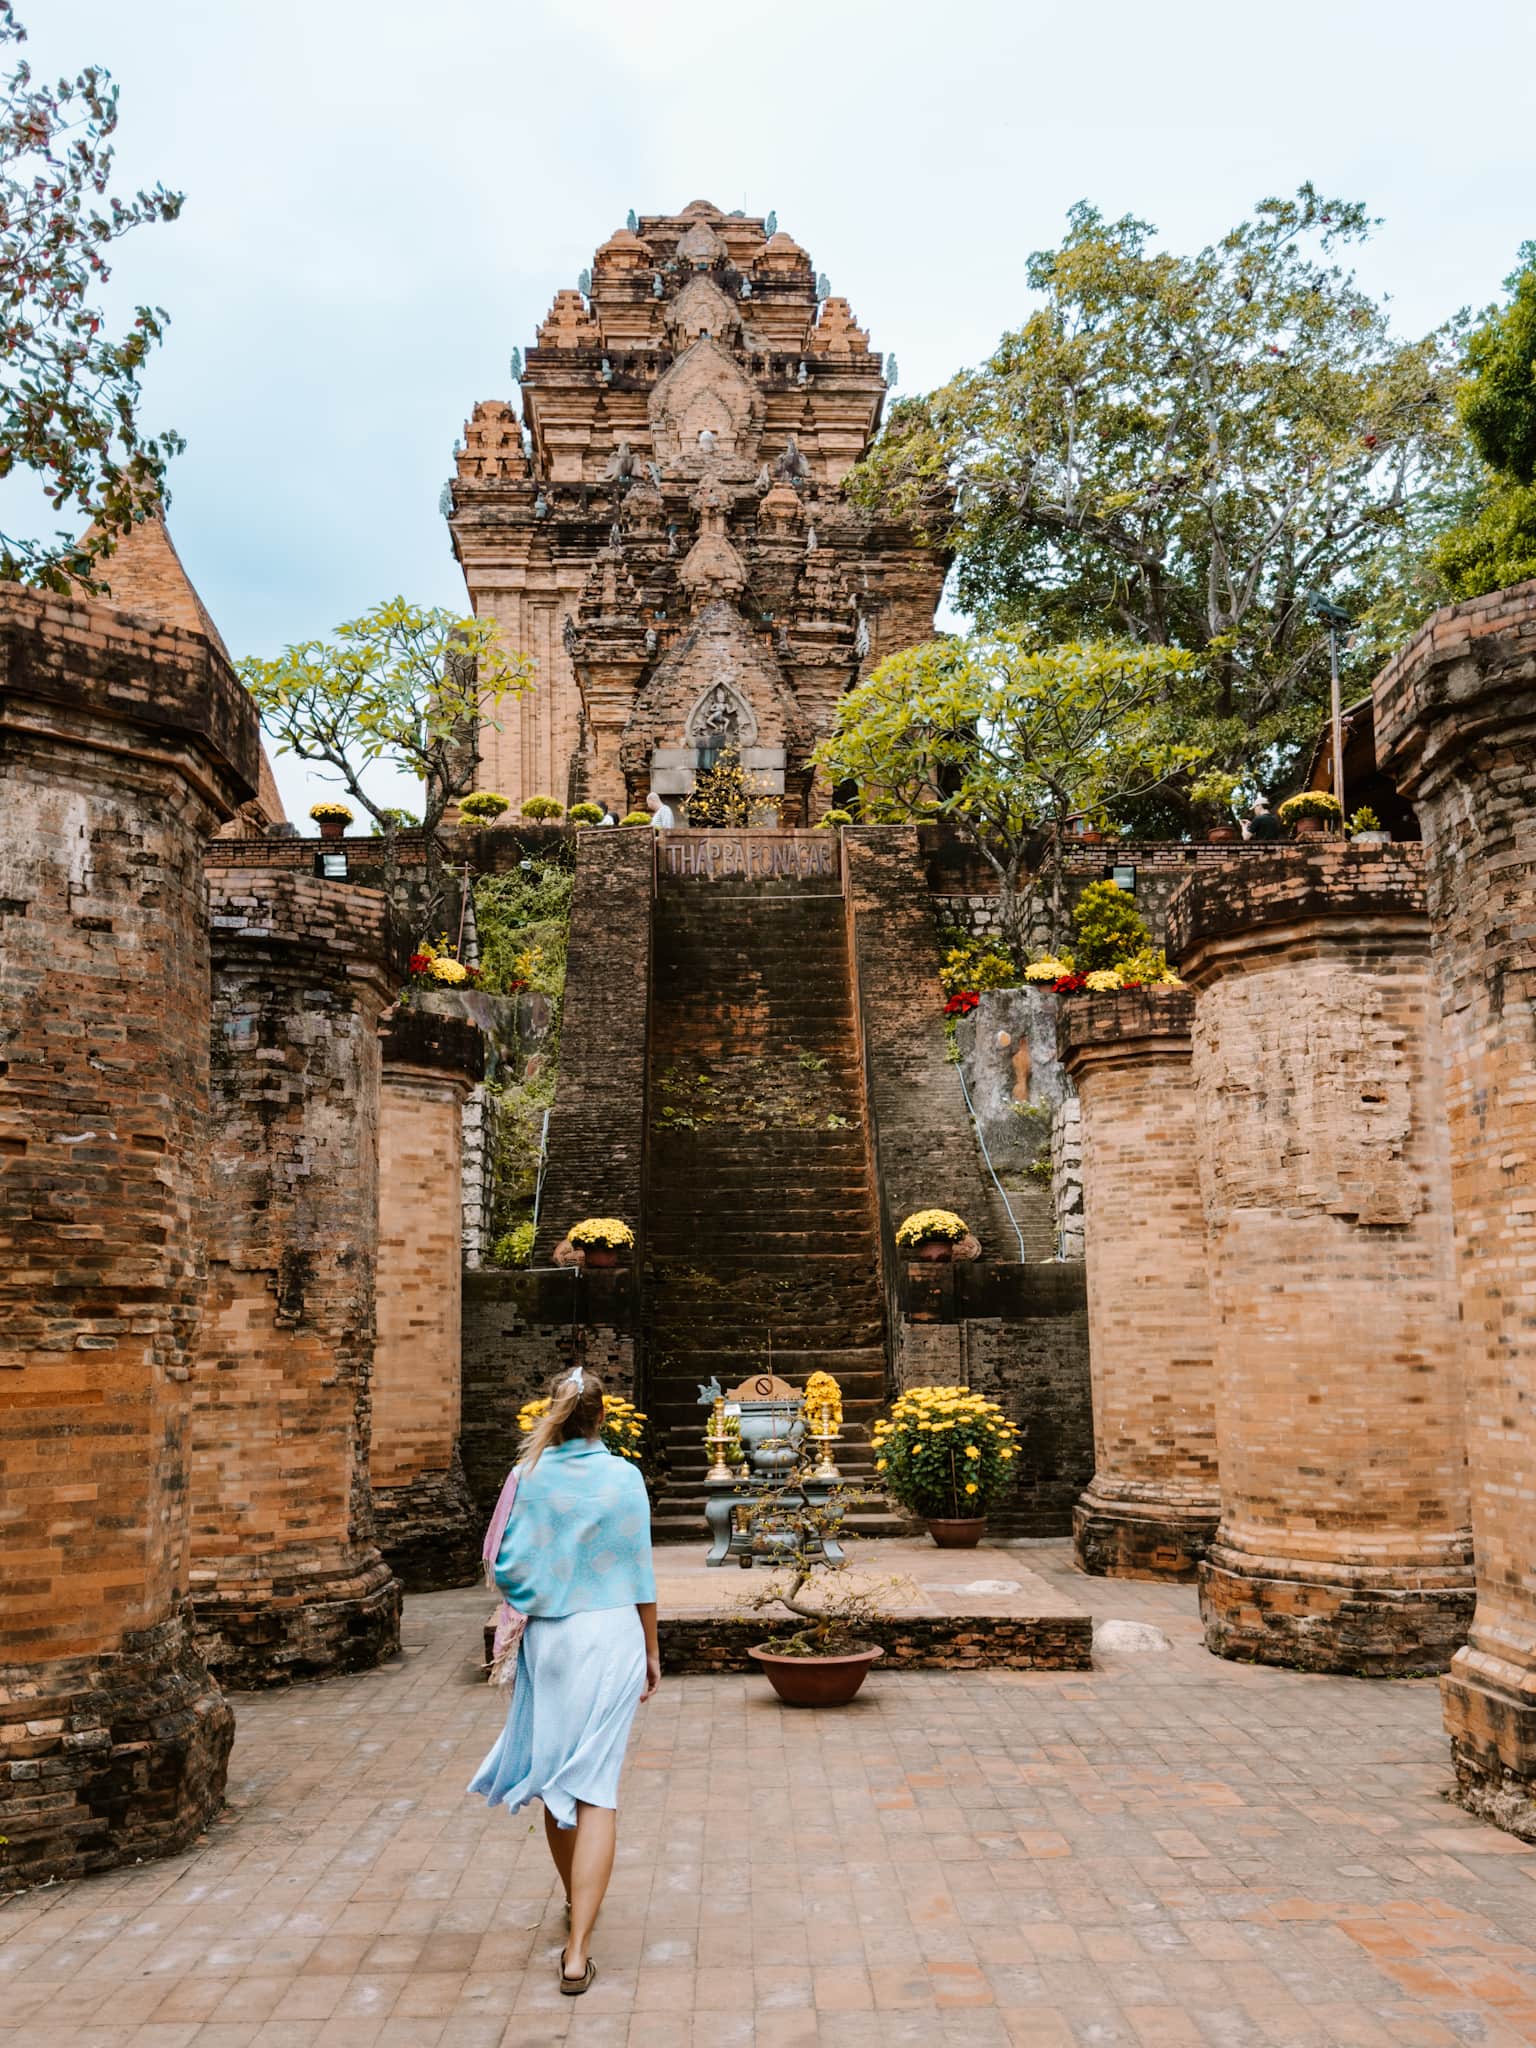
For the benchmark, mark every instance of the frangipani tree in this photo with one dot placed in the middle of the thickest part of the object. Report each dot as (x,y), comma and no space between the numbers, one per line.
(1015,742)
(400,684)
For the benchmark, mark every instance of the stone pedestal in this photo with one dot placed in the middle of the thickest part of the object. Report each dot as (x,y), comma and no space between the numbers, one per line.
(287,1580)
(1456,726)
(1151,1508)
(1343,1543)
(427,1526)
(121,747)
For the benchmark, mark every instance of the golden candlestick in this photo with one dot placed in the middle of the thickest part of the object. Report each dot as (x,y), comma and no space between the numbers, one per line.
(717,1439)
(825,1438)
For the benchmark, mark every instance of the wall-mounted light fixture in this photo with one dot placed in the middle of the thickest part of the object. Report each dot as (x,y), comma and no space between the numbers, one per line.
(331,867)
(1124,878)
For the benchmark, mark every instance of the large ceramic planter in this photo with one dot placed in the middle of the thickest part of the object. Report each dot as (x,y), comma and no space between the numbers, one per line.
(1311,828)
(332,828)
(816,1681)
(957,1533)
(1221,835)
(938,1250)
(601,1254)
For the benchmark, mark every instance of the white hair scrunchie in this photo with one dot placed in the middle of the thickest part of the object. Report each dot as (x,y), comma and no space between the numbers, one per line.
(574,1380)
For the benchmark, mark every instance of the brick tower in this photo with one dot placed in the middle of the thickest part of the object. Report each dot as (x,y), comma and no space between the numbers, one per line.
(665,530)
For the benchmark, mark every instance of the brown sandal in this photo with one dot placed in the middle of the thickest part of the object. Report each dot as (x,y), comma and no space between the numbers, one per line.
(573,1987)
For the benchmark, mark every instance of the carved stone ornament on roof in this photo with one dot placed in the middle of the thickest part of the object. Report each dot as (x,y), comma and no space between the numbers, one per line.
(836,334)
(712,567)
(700,246)
(705,392)
(622,254)
(719,719)
(569,325)
(701,308)
(780,506)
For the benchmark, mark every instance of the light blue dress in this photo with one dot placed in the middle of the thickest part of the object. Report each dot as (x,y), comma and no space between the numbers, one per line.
(576,1559)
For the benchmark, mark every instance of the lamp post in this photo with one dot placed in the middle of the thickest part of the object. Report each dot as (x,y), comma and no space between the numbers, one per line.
(1333,617)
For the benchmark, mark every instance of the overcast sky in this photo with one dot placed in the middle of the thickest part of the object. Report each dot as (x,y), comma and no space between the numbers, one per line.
(383,198)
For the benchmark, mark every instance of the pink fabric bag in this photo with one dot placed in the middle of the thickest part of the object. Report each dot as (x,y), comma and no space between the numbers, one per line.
(508,1636)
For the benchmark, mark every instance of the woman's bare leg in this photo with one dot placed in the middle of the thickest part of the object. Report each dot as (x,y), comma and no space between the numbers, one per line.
(597,1833)
(562,1847)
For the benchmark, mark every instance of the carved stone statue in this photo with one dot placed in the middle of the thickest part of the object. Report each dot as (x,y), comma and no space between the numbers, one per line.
(620,466)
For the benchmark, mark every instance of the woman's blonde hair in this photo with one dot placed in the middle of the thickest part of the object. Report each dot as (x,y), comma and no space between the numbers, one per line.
(575,1409)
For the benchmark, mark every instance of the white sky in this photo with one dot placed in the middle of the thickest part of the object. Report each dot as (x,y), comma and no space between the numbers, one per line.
(383,197)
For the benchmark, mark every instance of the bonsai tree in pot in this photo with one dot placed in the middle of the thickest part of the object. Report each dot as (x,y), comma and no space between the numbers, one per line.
(932,1233)
(946,1455)
(824,1659)
(1310,812)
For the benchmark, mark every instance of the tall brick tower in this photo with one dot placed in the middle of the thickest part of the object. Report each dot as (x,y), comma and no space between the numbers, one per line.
(665,530)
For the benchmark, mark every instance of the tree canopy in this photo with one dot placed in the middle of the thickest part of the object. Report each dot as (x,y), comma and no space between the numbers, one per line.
(1183,449)
(400,684)
(69,392)
(1494,541)
(1015,742)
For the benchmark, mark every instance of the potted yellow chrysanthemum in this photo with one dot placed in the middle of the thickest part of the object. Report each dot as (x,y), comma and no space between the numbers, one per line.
(932,1233)
(946,1455)
(622,1429)
(601,1239)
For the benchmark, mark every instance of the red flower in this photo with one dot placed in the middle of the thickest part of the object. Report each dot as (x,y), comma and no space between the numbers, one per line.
(419,962)
(1069,984)
(961,1005)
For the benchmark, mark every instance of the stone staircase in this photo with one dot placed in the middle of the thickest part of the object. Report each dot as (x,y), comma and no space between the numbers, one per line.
(760,1210)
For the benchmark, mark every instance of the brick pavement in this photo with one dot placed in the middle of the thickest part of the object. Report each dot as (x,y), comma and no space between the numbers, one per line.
(1168,1850)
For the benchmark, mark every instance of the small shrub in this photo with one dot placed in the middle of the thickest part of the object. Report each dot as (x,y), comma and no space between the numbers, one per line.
(484,804)
(829,819)
(945,1452)
(515,1246)
(403,821)
(585,814)
(974,964)
(1109,926)
(540,808)
(635,818)
(1365,820)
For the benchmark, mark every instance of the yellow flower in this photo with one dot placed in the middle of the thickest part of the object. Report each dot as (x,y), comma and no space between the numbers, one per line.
(1005,1454)
(970,1486)
(971,1451)
(879,1464)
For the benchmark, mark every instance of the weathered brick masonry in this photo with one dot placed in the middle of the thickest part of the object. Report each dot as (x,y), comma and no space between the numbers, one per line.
(1456,726)
(121,747)
(427,1528)
(1343,1542)
(1015,1331)
(1153,1503)
(287,1580)
(597,1126)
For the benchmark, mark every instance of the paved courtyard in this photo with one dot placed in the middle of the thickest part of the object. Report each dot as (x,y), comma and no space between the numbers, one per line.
(1168,1850)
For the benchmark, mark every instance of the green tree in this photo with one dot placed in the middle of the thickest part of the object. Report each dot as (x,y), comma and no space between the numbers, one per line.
(1180,449)
(401,685)
(1493,544)
(1015,743)
(69,393)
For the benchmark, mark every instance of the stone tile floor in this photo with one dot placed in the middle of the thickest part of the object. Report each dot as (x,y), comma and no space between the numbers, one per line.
(1168,1850)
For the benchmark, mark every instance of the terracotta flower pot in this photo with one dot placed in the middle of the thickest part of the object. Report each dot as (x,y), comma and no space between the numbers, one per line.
(601,1254)
(957,1534)
(1310,828)
(1221,835)
(939,1249)
(332,828)
(816,1681)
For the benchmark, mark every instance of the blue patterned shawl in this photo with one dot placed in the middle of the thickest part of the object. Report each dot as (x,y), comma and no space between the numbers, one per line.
(579,1536)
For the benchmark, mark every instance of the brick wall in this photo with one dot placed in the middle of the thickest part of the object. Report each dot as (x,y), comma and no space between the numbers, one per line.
(426,1529)
(121,747)
(597,1126)
(286,1578)
(520,1329)
(1321,1137)
(1456,727)
(1153,1502)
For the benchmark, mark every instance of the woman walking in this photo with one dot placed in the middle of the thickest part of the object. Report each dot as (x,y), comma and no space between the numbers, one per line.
(574,1556)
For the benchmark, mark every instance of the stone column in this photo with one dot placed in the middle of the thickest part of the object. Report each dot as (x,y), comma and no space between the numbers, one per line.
(427,1527)
(1456,726)
(287,1580)
(1151,1508)
(1343,1543)
(121,747)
